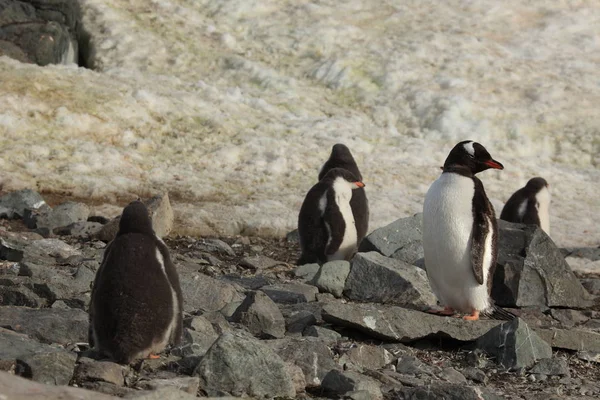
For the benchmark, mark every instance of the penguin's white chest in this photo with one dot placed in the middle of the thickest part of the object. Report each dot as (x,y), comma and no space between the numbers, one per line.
(543,209)
(447,229)
(348,245)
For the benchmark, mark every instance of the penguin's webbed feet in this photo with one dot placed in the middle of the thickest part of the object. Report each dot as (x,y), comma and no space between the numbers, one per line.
(473,317)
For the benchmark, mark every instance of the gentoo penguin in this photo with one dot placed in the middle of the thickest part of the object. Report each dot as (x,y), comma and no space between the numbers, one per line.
(530,205)
(460,232)
(326,224)
(342,158)
(136,306)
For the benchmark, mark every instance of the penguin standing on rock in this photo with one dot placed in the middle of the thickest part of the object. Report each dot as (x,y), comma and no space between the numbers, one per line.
(326,223)
(136,306)
(460,233)
(342,158)
(530,205)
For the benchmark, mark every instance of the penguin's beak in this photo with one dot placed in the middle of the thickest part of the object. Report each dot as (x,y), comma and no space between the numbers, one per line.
(493,164)
(359,184)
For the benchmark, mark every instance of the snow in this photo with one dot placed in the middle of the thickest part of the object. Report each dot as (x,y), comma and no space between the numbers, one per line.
(233,106)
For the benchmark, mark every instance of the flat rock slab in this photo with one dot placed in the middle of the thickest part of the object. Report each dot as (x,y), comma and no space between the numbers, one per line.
(48,325)
(201,292)
(401,324)
(291,293)
(402,239)
(571,339)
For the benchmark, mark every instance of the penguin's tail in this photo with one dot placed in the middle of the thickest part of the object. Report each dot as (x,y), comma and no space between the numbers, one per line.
(499,313)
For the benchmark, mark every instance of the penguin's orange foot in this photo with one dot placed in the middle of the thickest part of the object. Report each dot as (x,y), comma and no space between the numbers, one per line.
(153,356)
(447,311)
(473,317)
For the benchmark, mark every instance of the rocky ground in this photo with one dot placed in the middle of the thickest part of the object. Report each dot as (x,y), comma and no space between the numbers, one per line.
(257,325)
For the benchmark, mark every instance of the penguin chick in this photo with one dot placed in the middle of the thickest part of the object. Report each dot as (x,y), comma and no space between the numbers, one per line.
(530,205)
(460,232)
(136,305)
(326,224)
(342,158)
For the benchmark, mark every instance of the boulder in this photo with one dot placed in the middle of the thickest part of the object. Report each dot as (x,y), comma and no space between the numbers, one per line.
(48,325)
(201,292)
(325,335)
(401,324)
(51,368)
(14,387)
(241,365)
(290,293)
(365,357)
(402,239)
(331,277)
(376,278)
(261,316)
(103,371)
(514,345)
(531,271)
(161,213)
(307,272)
(551,367)
(343,382)
(60,216)
(299,321)
(17,202)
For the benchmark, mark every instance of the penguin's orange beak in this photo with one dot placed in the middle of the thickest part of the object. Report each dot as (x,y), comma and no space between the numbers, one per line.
(359,184)
(493,164)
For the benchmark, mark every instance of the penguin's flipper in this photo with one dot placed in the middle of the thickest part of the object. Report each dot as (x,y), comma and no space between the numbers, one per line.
(336,227)
(481,229)
(531,214)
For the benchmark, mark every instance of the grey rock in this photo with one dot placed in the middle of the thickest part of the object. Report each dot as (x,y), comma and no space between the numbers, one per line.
(299,321)
(161,213)
(531,271)
(411,365)
(166,393)
(254,282)
(108,388)
(14,387)
(258,262)
(324,334)
(552,367)
(589,356)
(298,379)
(239,364)
(52,368)
(331,277)
(82,230)
(104,371)
(12,245)
(402,239)
(201,292)
(571,339)
(293,236)
(592,286)
(569,318)
(16,345)
(310,354)
(452,375)
(590,253)
(54,248)
(261,316)
(365,357)
(342,382)
(198,339)
(108,230)
(18,291)
(375,278)
(187,384)
(218,321)
(290,293)
(401,324)
(446,391)
(307,271)
(20,200)
(48,325)
(214,246)
(514,345)
(230,308)
(62,215)
(475,374)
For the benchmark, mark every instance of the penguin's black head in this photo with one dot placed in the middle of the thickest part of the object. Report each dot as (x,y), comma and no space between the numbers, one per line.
(536,184)
(336,173)
(471,156)
(340,158)
(135,219)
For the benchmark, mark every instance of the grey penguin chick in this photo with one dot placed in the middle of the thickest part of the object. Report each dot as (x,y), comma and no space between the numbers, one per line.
(326,223)
(460,232)
(530,205)
(341,157)
(136,305)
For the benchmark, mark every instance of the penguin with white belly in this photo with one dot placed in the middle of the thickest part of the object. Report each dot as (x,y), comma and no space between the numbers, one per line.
(342,158)
(136,306)
(326,223)
(460,233)
(530,205)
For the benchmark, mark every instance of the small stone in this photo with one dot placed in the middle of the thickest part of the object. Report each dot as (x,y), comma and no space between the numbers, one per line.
(307,271)
(108,230)
(82,230)
(51,368)
(300,321)
(187,384)
(214,246)
(342,382)
(569,318)
(367,357)
(514,345)
(290,293)
(261,316)
(201,292)
(60,216)
(17,202)
(552,367)
(105,371)
(592,286)
(475,374)
(402,239)
(331,277)
(324,334)
(452,375)
(589,356)
(258,262)
(410,365)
